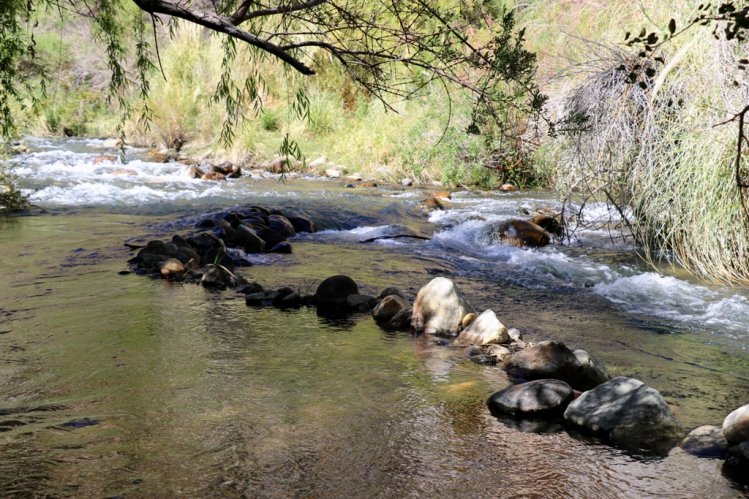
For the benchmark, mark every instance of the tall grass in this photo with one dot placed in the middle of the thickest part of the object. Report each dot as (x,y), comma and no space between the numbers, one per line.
(660,154)
(419,140)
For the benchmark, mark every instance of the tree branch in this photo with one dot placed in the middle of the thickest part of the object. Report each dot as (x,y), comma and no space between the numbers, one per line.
(221,24)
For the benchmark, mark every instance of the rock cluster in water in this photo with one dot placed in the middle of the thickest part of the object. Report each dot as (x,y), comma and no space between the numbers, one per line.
(221,244)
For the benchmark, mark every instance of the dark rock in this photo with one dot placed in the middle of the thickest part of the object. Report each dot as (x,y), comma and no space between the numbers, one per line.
(279,229)
(400,321)
(218,256)
(250,288)
(388,308)
(180,241)
(520,233)
(439,308)
(361,303)
(291,300)
(277,295)
(195,172)
(302,224)
(392,291)
(333,292)
(736,426)
(542,396)
(216,277)
(628,413)
(189,254)
(282,248)
(552,360)
(706,441)
(255,299)
(248,239)
(592,373)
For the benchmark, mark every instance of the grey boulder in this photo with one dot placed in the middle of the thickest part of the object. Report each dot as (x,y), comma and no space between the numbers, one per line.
(628,413)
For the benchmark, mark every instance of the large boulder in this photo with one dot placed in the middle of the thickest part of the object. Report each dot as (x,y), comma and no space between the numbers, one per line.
(705,441)
(439,308)
(334,291)
(484,330)
(736,426)
(627,412)
(542,396)
(521,234)
(388,308)
(552,359)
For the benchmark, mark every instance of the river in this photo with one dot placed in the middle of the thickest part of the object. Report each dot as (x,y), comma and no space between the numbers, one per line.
(120,385)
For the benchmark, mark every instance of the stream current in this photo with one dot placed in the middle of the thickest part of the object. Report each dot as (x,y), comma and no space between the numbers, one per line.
(120,385)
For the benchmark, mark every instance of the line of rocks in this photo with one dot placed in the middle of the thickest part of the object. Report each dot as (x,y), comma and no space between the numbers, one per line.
(550,380)
(219,245)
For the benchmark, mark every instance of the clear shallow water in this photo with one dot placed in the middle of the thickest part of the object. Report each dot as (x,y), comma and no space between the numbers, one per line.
(121,385)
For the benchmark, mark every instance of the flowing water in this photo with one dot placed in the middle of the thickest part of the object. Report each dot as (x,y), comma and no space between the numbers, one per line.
(120,385)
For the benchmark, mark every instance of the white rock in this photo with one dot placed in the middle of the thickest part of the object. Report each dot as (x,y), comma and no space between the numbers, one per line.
(484,330)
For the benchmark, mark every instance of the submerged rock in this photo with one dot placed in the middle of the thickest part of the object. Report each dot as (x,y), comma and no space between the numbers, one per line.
(542,396)
(439,308)
(483,330)
(705,441)
(521,234)
(388,308)
(627,412)
(392,291)
(361,303)
(552,359)
(172,268)
(334,291)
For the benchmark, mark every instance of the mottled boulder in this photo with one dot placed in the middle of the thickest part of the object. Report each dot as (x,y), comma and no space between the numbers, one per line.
(736,426)
(483,330)
(552,359)
(542,396)
(705,441)
(628,413)
(388,308)
(439,308)
(521,234)
(334,291)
